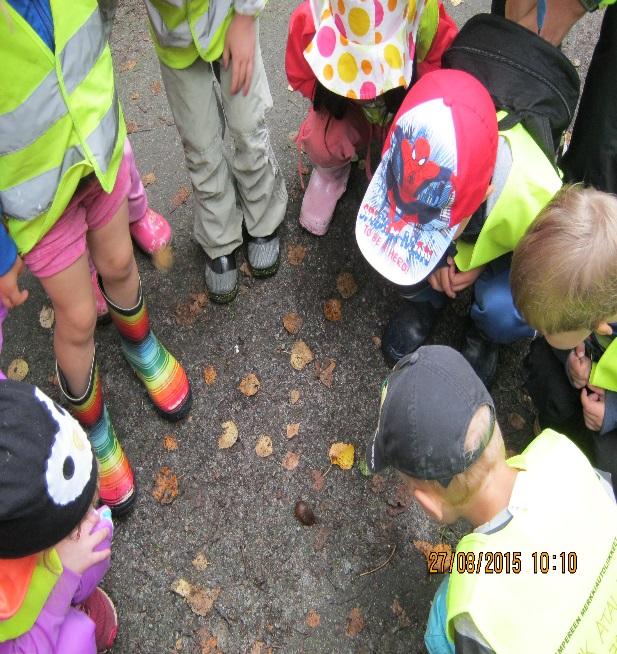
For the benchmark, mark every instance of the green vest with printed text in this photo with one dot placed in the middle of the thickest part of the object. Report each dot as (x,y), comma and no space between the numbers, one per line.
(559,506)
(532,182)
(60,118)
(183,30)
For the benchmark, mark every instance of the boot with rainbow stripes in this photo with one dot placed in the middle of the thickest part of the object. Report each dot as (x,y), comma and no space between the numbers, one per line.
(116,480)
(158,370)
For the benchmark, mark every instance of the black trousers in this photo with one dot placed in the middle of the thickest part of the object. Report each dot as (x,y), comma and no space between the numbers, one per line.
(559,407)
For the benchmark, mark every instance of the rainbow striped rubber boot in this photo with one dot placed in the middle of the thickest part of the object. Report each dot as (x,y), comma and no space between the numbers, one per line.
(158,370)
(116,480)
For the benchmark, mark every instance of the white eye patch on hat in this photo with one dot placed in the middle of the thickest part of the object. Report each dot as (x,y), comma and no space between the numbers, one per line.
(70,462)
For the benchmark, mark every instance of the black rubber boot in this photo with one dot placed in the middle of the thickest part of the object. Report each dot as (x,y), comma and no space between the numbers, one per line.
(407,330)
(481,353)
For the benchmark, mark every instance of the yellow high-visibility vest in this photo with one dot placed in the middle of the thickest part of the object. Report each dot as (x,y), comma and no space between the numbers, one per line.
(60,118)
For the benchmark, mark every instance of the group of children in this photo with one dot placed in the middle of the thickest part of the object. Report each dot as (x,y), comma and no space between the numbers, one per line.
(463,198)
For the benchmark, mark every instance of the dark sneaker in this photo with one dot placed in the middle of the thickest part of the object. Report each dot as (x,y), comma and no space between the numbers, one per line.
(222,278)
(264,254)
(407,330)
(481,353)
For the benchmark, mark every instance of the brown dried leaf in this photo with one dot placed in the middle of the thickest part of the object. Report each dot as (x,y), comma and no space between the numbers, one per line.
(183,194)
(53,380)
(292,323)
(163,258)
(401,614)
(355,623)
(376,341)
(301,355)
(134,95)
(378,483)
(259,647)
(293,429)
(332,310)
(200,562)
(304,514)
(319,480)
(346,285)
(46,317)
(313,619)
(127,65)
(166,487)
(321,537)
(208,644)
(201,600)
(516,421)
(294,396)
(439,564)
(17,370)
(131,126)
(188,312)
(295,254)
(210,375)
(229,435)
(264,446)
(401,502)
(170,443)
(155,87)
(148,179)
(245,269)
(290,461)
(324,372)
(249,384)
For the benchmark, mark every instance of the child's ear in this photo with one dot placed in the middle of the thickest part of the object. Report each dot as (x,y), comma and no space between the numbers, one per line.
(604,329)
(430,502)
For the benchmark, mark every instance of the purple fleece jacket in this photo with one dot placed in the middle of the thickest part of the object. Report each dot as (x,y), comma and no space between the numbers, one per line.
(60,627)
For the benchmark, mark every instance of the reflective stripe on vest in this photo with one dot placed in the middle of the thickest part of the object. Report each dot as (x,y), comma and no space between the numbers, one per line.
(34,196)
(197,28)
(558,506)
(46,105)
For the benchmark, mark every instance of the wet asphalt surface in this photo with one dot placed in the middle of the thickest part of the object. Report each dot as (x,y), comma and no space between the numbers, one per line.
(270,572)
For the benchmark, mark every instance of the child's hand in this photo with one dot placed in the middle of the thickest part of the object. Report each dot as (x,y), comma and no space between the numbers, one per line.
(77,550)
(441,278)
(10,295)
(579,366)
(240,48)
(462,280)
(593,407)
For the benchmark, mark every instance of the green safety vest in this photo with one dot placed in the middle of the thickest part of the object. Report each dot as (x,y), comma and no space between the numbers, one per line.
(559,506)
(183,30)
(531,183)
(60,118)
(44,577)
(604,370)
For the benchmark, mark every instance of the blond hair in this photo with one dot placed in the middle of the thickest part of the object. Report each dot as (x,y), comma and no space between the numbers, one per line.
(484,432)
(564,270)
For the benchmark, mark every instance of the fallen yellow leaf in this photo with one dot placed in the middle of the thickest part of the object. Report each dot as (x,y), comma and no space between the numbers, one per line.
(249,385)
(301,355)
(264,446)
(229,435)
(293,429)
(17,370)
(342,455)
(201,600)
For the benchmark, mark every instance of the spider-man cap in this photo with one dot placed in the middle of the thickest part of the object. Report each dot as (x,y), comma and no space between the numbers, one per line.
(436,167)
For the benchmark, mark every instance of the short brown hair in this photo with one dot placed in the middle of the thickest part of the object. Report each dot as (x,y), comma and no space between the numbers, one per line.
(564,270)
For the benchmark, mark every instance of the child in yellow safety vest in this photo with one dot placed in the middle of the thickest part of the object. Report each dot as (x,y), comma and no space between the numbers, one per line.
(54,547)
(538,572)
(64,182)
(564,281)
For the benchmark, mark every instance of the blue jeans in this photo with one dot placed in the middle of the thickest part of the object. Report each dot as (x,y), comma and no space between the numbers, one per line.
(493,309)
(435,637)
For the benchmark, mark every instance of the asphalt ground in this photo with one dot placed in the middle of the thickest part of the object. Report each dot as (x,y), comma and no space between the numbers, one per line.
(270,576)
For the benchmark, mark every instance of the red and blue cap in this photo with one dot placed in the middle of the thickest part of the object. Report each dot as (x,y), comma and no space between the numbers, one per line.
(436,167)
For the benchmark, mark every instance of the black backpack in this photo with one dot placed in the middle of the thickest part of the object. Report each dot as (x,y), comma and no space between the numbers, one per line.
(526,76)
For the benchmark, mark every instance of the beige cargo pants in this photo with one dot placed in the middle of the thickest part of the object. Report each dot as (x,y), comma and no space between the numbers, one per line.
(249,185)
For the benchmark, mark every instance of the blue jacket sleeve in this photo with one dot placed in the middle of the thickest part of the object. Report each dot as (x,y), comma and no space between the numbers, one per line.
(8,250)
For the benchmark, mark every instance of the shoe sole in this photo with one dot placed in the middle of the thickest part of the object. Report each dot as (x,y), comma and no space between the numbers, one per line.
(262,273)
(181,412)
(225,298)
(124,508)
(311,230)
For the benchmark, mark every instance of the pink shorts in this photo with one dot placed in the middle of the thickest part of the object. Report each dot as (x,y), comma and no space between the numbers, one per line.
(90,209)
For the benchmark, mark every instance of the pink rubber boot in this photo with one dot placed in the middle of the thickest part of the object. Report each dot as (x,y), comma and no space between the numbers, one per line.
(322,193)
(151,232)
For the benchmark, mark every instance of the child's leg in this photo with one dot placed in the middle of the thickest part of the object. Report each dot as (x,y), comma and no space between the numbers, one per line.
(71,295)
(260,183)
(161,374)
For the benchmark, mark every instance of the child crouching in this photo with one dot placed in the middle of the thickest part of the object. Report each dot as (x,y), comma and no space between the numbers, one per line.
(54,546)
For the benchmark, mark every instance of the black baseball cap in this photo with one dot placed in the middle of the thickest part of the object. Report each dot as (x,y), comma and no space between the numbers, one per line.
(427,404)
